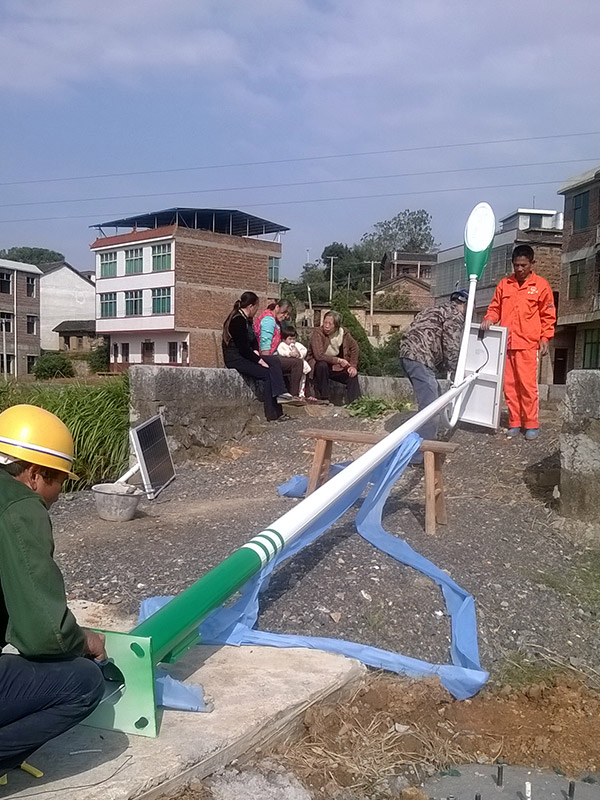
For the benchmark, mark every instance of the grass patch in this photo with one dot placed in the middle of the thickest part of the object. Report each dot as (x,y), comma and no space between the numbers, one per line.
(579,582)
(375,407)
(518,670)
(97,416)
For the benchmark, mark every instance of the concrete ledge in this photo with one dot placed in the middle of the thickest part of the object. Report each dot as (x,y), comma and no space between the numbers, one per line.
(260,694)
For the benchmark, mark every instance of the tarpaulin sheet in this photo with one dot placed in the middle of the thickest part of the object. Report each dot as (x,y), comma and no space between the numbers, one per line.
(235,625)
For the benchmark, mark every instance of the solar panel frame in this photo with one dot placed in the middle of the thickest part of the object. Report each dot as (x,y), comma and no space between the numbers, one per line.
(149,442)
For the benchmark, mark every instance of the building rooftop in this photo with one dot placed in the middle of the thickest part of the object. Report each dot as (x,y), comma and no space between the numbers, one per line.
(545,211)
(76,326)
(19,265)
(218,220)
(580,180)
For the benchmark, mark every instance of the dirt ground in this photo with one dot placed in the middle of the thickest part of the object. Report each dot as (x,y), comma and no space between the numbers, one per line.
(535,578)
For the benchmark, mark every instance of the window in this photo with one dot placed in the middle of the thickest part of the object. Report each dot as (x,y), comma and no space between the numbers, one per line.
(6,322)
(125,352)
(591,349)
(394,328)
(80,342)
(31,286)
(161,301)
(133,303)
(576,278)
(9,362)
(5,282)
(67,340)
(108,265)
(173,352)
(31,324)
(273,270)
(426,273)
(108,304)
(375,331)
(134,261)
(161,257)
(581,203)
(31,364)
(115,353)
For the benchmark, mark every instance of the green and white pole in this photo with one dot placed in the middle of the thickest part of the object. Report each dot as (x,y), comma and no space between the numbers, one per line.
(479,238)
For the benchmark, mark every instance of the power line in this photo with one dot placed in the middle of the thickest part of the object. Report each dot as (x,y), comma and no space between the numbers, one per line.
(295,183)
(300,159)
(320,199)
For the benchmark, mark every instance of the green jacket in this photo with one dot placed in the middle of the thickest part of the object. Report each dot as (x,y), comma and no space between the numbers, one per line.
(34,616)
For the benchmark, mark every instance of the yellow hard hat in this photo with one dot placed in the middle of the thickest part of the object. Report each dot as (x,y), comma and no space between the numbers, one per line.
(32,434)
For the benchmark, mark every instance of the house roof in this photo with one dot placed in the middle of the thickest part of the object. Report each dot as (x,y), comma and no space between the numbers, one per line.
(76,326)
(52,266)
(217,220)
(402,279)
(20,266)
(580,180)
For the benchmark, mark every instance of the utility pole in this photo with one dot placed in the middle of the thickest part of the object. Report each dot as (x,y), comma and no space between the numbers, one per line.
(372,294)
(309,297)
(331,260)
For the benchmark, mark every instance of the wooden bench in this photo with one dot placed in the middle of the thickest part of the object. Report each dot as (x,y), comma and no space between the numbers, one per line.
(433,458)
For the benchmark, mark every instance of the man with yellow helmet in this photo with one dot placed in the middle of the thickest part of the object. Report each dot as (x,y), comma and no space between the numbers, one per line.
(53,683)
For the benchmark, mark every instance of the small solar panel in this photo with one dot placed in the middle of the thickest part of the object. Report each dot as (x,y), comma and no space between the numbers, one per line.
(152,452)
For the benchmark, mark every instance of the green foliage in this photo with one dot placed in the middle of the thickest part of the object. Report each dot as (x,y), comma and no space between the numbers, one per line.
(394,301)
(409,231)
(97,416)
(53,365)
(32,255)
(388,355)
(99,358)
(375,407)
(368,362)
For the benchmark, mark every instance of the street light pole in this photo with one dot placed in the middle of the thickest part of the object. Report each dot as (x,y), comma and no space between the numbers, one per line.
(372,293)
(331,260)
(4,364)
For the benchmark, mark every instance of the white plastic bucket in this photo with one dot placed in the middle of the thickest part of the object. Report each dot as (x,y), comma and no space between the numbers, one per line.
(116,502)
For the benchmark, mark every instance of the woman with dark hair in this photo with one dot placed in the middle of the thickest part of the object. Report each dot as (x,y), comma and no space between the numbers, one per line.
(267,327)
(240,352)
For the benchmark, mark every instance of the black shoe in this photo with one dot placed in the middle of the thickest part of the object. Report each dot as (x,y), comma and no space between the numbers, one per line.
(282,418)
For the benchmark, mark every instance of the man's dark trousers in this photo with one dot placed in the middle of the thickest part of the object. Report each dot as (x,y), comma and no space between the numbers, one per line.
(323,373)
(42,699)
(426,390)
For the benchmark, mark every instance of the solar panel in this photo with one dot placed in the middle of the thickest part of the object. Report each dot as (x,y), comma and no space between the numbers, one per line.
(152,452)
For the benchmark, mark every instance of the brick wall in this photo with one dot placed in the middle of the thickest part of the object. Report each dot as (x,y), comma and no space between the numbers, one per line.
(28,344)
(211,272)
(575,240)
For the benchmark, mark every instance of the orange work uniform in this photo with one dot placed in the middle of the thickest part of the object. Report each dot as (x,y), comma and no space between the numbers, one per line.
(529,314)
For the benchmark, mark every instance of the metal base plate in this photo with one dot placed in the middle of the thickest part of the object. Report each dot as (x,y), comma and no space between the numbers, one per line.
(129,703)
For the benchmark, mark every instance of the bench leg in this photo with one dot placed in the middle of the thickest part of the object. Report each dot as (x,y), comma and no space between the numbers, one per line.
(316,470)
(326,463)
(429,466)
(440,501)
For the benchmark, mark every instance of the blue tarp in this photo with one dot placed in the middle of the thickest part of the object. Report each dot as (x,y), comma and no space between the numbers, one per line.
(235,625)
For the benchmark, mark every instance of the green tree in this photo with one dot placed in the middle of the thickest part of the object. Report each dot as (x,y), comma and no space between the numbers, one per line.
(32,255)
(99,358)
(368,362)
(53,365)
(409,231)
(388,355)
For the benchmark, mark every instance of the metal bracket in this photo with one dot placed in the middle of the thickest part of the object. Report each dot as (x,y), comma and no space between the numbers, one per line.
(129,703)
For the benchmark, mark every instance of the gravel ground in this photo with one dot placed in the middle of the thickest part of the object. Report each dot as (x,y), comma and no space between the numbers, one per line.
(502,541)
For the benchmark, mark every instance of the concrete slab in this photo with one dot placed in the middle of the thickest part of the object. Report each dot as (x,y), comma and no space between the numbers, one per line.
(481,779)
(259,694)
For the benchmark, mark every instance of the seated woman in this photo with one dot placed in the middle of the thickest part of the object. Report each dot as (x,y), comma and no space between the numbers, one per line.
(333,355)
(267,327)
(240,352)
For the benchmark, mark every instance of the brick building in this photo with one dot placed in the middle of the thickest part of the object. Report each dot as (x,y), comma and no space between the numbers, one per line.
(579,310)
(164,288)
(19,316)
(540,228)
(415,265)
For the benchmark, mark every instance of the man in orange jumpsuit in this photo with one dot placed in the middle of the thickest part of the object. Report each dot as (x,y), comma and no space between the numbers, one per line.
(524,304)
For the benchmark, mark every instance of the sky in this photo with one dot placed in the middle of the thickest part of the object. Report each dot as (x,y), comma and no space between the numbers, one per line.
(322,116)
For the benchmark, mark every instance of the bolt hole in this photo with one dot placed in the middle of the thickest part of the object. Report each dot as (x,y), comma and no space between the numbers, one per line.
(137,649)
(142,722)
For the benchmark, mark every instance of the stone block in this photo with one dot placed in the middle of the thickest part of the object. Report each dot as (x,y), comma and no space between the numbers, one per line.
(580,446)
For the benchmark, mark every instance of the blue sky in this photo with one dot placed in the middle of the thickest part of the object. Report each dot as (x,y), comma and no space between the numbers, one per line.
(89,89)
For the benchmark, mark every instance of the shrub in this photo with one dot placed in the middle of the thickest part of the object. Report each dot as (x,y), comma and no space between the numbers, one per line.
(374,407)
(99,358)
(97,416)
(388,356)
(53,365)
(368,362)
